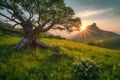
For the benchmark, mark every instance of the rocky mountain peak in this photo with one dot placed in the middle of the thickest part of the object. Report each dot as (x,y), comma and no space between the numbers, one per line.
(93,26)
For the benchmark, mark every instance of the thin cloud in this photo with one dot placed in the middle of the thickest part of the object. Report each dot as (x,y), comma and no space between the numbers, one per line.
(89,13)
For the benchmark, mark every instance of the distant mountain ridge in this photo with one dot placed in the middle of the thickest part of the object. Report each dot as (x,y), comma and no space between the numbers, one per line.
(111,43)
(92,32)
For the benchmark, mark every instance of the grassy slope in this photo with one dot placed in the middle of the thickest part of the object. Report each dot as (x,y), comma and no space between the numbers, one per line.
(111,43)
(41,64)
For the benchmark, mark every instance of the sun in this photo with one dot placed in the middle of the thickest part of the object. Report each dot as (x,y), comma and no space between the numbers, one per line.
(83,28)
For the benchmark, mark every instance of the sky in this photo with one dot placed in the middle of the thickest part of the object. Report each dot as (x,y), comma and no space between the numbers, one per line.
(105,13)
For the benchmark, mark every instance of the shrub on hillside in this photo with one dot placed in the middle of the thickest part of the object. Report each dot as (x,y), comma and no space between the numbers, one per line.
(53,36)
(57,52)
(91,43)
(85,69)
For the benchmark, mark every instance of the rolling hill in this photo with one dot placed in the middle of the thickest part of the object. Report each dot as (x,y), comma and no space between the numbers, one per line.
(111,43)
(67,60)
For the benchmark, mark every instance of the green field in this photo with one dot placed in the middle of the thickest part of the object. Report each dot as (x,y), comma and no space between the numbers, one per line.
(67,60)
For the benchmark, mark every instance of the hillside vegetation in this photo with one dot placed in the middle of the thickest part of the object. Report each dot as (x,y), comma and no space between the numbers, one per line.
(67,60)
(111,43)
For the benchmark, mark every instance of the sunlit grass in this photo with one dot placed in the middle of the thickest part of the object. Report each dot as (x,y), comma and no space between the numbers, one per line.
(41,64)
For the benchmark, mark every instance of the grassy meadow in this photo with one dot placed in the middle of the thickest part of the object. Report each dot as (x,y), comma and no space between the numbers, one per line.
(67,60)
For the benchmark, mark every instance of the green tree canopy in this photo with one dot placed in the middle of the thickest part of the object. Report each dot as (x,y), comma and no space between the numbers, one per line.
(34,16)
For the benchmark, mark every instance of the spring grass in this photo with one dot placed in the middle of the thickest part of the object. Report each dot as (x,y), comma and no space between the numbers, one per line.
(43,64)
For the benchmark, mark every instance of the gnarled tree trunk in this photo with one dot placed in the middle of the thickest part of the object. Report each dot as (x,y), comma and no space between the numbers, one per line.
(30,41)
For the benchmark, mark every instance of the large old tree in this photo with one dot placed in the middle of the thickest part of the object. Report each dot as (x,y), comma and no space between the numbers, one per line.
(34,16)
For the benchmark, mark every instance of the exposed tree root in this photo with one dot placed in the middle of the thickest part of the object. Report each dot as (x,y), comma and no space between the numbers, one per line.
(25,44)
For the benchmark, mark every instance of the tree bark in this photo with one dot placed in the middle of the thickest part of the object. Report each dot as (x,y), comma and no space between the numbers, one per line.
(26,43)
(30,41)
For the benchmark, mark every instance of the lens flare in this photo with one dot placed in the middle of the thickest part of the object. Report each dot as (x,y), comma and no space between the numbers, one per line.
(83,28)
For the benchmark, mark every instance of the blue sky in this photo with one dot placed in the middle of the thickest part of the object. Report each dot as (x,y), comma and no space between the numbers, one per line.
(106,13)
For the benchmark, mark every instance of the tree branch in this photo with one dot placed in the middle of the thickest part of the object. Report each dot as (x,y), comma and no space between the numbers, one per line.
(39,13)
(5,33)
(47,21)
(11,31)
(30,13)
(15,25)
(15,14)
(49,27)
(9,18)
(40,27)
(39,19)
(59,28)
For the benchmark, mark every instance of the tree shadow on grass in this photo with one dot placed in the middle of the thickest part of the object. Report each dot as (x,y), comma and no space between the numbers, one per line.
(6,51)
(56,67)
(52,66)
